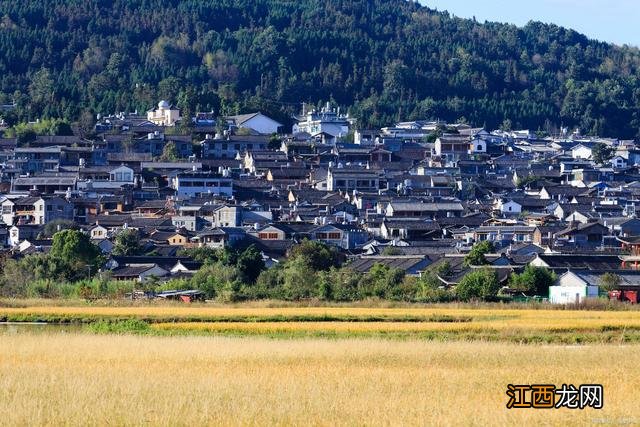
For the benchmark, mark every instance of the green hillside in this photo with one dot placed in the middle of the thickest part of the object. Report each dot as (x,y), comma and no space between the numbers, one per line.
(384,60)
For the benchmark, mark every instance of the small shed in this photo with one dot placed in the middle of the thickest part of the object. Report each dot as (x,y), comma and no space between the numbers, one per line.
(572,288)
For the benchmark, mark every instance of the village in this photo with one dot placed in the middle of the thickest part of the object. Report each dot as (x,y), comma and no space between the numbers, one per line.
(409,196)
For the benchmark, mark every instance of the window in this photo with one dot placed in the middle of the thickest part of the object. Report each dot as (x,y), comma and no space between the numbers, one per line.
(268,236)
(6,209)
(321,236)
(334,236)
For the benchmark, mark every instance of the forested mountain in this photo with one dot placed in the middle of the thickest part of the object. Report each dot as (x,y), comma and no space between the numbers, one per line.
(383,59)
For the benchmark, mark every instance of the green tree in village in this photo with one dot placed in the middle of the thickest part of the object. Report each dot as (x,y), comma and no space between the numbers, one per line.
(72,246)
(218,281)
(127,242)
(317,255)
(203,254)
(476,255)
(187,104)
(601,153)
(339,284)
(274,142)
(52,227)
(480,283)
(250,264)
(170,152)
(380,281)
(391,251)
(432,289)
(76,252)
(299,279)
(609,281)
(533,280)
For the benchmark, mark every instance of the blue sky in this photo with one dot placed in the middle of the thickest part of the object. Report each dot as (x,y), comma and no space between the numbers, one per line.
(614,21)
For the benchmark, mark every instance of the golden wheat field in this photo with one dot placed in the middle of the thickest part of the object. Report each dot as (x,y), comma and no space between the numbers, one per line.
(81,379)
(495,317)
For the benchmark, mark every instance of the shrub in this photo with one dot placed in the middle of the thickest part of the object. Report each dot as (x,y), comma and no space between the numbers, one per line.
(477,253)
(478,284)
(379,281)
(609,281)
(533,280)
(119,327)
(339,285)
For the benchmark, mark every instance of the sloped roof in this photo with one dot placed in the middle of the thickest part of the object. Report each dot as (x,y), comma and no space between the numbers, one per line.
(403,262)
(582,261)
(243,118)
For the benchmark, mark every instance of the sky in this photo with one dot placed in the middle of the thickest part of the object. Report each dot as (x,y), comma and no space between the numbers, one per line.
(612,21)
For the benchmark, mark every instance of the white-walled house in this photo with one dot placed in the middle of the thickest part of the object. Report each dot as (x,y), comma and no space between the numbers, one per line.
(122,174)
(326,121)
(98,232)
(138,272)
(35,210)
(573,288)
(256,122)
(581,151)
(508,207)
(477,146)
(618,162)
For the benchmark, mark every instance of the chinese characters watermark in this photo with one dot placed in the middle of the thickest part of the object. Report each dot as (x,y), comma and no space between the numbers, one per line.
(547,396)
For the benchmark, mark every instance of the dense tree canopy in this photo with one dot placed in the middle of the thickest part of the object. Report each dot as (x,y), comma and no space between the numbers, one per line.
(478,284)
(127,242)
(383,59)
(476,255)
(74,246)
(533,280)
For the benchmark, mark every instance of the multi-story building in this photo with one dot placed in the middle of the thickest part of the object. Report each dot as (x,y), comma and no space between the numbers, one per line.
(164,115)
(349,179)
(194,184)
(326,121)
(35,210)
(231,146)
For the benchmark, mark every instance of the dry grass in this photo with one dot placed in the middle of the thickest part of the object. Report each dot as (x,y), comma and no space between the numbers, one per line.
(532,320)
(204,311)
(481,316)
(354,327)
(131,380)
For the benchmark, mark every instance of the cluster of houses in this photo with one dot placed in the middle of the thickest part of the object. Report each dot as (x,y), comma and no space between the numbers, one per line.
(407,196)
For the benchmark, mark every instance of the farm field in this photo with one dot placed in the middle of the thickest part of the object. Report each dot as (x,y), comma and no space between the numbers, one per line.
(86,379)
(434,323)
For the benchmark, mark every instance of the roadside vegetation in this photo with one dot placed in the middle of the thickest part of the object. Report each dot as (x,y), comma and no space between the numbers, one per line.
(74,268)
